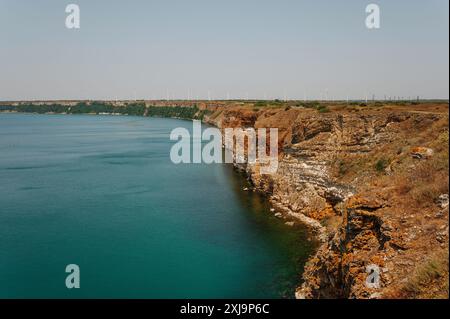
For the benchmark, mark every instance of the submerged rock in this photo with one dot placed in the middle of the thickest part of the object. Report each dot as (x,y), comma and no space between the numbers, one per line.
(291,224)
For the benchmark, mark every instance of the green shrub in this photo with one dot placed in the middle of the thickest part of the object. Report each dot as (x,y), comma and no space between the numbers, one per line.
(176,111)
(261,104)
(381,165)
(323,109)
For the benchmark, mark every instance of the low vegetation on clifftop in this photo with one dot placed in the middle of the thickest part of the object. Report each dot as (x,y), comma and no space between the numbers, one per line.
(376,177)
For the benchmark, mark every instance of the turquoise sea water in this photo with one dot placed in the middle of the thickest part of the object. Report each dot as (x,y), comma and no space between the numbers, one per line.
(102,193)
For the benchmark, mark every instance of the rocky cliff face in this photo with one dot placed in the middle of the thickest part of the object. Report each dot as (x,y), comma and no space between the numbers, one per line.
(350,176)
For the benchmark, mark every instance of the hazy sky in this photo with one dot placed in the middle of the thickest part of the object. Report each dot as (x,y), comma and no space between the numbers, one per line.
(257,47)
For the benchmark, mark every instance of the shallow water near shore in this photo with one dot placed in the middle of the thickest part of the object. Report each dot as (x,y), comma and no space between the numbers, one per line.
(102,193)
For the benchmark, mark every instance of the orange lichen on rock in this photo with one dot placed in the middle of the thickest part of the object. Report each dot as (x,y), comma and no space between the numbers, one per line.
(376,177)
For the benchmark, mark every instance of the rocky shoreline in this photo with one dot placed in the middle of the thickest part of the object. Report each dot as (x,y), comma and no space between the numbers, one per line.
(355,220)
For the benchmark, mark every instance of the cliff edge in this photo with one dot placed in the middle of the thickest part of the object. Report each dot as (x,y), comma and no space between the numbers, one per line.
(372,182)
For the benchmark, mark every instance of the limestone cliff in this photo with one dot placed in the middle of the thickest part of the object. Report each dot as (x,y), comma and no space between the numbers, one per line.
(373,185)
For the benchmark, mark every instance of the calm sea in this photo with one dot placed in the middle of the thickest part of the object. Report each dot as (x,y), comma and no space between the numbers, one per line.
(102,193)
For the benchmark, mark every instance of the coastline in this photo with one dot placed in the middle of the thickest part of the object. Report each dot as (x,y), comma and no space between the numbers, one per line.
(278,209)
(332,178)
(340,173)
(178,220)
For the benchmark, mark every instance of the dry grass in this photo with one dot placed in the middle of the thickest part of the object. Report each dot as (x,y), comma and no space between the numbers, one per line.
(429,178)
(410,188)
(417,183)
(433,271)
